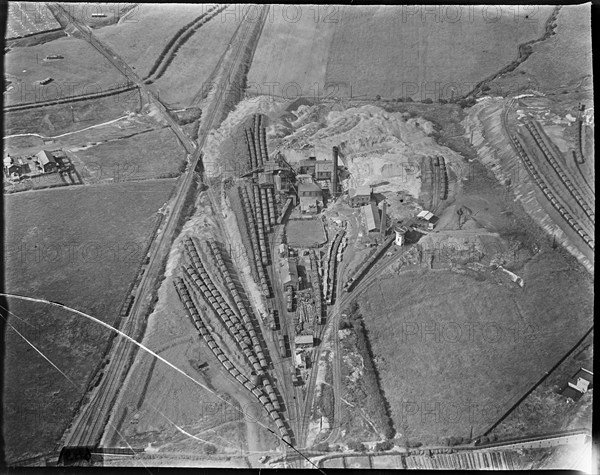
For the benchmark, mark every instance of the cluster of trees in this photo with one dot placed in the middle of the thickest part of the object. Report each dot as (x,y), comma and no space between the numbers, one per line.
(357,446)
(371,396)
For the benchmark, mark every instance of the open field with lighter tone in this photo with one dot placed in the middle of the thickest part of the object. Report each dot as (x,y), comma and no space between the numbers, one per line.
(488,343)
(389,52)
(294,32)
(82,247)
(82,71)
(153,154)
(140,42)
(55,120)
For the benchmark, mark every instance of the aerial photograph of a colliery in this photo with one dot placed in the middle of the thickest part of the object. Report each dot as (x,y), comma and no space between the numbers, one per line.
(298,236)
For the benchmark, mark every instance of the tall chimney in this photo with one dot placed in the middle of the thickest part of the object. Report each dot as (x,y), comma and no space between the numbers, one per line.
(334,176)
(383,225)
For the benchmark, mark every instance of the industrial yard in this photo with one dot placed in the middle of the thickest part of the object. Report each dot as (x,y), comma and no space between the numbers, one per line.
(222,257)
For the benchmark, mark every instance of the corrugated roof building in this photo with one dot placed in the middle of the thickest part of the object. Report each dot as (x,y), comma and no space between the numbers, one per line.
(289,274)
(371,214)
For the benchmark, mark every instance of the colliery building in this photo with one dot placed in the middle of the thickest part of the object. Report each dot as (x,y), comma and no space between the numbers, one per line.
(360,196)
(323,171)
(289,275)
(311,197)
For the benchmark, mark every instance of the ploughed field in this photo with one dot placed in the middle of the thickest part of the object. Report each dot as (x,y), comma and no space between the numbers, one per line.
(489,344)
(81,247)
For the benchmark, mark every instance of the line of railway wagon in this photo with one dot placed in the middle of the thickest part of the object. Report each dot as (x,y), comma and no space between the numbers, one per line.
(269,401)
(244,335)
(259,248)
(217,256)
(441,162)
(563,212)
(354,278)
(331,265)
(314,279)
(533,128)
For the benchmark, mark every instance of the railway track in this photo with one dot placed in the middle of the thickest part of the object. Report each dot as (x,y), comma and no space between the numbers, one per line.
(547,148)
(544,187)
(89,424)
(76,27)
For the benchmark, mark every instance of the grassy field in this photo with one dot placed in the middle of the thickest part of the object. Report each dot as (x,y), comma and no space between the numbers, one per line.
(82,71)
(563,61)
(545,410)
(140,42)
(153,154)
(304,232)
(305,40)
(90,241)
(190,71)
(62,118)
(489,343)
(391,52)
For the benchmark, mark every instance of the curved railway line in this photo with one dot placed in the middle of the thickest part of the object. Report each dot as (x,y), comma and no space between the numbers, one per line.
(541,183)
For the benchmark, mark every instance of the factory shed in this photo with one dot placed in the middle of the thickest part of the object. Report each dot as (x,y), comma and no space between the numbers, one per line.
(429,218)
(372,219)
(289,275)
(265,180)
(303,341)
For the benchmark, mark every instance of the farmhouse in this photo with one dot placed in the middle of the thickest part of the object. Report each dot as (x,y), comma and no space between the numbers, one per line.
(360,196)
(46,161)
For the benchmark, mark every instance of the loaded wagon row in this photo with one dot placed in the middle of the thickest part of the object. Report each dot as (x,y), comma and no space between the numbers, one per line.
(251,150)
(218,258)
(533,128)
(269,401)
(314,278)
(254,241)
(265,210)
(331,266)
(578,153)
(443,178)
(246,331)
(351,282)
(243,341)
(284,210)
(126,306)
(214,298)
(271,204)
(555,203)
(260,225)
